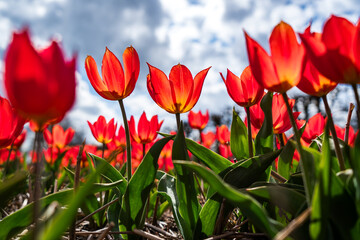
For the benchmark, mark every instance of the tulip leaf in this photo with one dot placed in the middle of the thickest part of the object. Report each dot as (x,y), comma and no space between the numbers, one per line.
(238,138)
(281,196)
(110,173)
(11,186)
(214,161)
(167,189)
(285,160)
(113,215)
(239,175)
(133,206)
(189,206)
(247,205)
(264,139)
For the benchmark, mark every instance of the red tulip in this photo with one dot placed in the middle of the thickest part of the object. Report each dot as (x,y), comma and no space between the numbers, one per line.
(314,128)
(335,53)
(245,91)
(146,131)
(282,70)
(119,140)
(208,139)
(180,92)
(11,124)
(19,140)
(40,84)
(340,133)
(58,138)
(198,120)
(281,119)
(102,131)
(115,84)
(223,134)
(225,151)
(254,130)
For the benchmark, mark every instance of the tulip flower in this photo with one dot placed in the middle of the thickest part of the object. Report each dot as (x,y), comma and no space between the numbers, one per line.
(178,93)
(314,128)
(11,124)
(281,119)
(340,132)
(146,130)
(119,140)
(58,138)
(19,140)
(282,70)
(314,83)
(223,134)
(102,131)
(225,151)
(198,120)
(208,139)
(116,83)
(335,52)
(244,90)
(40,84)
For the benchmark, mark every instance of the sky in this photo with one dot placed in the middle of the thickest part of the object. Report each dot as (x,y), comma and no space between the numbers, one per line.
(196,33)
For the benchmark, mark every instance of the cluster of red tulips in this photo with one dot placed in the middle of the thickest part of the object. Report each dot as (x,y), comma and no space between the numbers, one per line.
(40,85)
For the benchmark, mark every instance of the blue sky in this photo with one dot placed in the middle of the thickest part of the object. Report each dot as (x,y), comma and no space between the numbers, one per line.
(197,34)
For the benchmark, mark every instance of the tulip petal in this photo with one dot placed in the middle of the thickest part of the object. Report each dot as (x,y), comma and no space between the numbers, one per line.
(198,83)
(132,69)
(113,74)
(287,55)
(159,89)
(95,79)
(143,127)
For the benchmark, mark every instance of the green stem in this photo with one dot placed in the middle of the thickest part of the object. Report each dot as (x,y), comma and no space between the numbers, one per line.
(357,99)
(7,161)
(333,133)
(128,143)
(177,115)
(251,150)
(144,149)
(306,178)
(103,151)
(347,126)
(37,189)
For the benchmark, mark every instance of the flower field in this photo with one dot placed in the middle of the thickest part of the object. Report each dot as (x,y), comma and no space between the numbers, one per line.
(270,175)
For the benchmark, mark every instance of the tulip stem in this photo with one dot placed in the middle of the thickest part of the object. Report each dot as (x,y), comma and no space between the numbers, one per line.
(7,161)
(177,115)
(357,103)
(333,133)
(37,189)
(251,150)
(347,126)
(305,175)
(128,143)
(144,149)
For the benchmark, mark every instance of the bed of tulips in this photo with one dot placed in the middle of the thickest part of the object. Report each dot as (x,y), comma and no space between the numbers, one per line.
(248,181)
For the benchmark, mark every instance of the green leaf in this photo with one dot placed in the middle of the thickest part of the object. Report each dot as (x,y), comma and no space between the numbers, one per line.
(239,175)
(248,206)
(285,160)
(113,215)
(110,173)
(280,196)
(265,138)
(132,213)
(214,161)
(189,206)
(320,200)
(238,138)
(167,189)
(11,186)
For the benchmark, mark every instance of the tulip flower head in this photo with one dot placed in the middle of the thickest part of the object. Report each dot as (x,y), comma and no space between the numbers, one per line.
(40,84)
(223,134)
(198,120)
(244,90)
(335,52)
(180,92)
(103,131)
(208,139)
(280,116)
(282,70)
(11,124)
(119,140)
(58,138)
(146,131)
(116,83)
(314,128)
